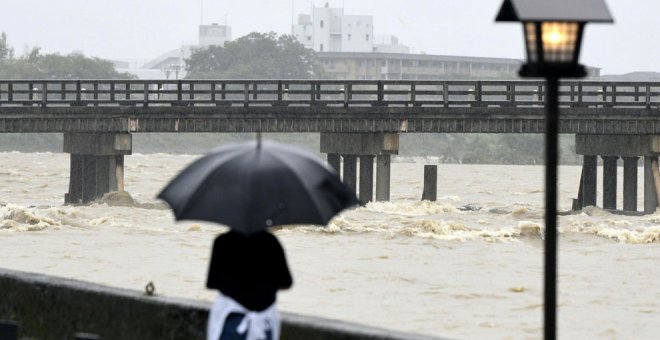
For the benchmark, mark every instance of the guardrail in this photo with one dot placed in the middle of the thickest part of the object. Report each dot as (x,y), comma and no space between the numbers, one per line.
(347,93)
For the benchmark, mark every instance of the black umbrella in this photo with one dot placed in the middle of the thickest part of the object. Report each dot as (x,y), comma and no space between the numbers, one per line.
(254,185)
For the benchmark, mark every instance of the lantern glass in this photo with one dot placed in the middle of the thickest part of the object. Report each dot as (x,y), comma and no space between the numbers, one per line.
(530,41)
(558,41)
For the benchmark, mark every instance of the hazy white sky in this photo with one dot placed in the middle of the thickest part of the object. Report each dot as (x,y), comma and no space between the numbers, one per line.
(144,29)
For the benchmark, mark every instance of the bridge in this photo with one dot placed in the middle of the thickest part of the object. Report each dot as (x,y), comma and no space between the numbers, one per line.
(358,120)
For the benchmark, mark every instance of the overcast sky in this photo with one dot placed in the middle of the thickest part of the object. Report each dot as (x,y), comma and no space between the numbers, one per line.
(144,29)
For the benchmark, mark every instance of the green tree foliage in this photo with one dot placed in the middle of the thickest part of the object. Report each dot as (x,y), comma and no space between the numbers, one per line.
(35,65)
(254,56)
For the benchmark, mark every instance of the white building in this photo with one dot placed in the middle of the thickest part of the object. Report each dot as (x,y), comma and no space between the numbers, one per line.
(329,30)
(171,64)
(214,34)
(389,44)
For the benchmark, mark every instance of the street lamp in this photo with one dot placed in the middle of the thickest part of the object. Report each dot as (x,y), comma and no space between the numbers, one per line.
(553,34)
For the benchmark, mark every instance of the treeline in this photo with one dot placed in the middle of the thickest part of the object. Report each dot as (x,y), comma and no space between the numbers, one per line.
(449,148)
(254,56)
(35,65)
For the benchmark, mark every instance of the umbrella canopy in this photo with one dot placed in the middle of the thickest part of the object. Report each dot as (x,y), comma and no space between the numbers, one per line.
(254,185)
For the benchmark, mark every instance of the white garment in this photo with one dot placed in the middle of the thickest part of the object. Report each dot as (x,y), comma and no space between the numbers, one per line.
(254,323)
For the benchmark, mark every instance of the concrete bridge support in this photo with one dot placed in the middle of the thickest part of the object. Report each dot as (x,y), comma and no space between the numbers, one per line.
(97,164)
(609,181)
(589,180)
(650,193)
(630,183)
(350,171)
(611,148)
(365,147)
(334,159)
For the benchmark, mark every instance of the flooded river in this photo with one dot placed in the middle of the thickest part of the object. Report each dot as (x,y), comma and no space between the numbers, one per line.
(468,266)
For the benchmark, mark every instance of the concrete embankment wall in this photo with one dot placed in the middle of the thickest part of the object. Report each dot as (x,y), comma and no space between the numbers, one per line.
(55,308)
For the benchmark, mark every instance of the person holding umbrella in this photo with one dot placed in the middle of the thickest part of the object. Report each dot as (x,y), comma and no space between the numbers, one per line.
(248,270)
(250,187)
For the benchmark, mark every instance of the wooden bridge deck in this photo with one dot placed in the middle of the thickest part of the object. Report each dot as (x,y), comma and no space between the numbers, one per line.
(587,107)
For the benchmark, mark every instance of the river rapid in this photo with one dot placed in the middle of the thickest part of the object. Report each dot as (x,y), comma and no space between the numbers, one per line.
(468,266)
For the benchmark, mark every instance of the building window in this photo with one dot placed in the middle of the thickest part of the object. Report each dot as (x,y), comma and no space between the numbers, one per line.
(309,37)
(321,48)
(349,36)
(367,37)
(321,23)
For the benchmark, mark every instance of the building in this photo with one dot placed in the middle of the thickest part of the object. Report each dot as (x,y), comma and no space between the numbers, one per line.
(404,66)
(214,34)
(172,64)
(330,30)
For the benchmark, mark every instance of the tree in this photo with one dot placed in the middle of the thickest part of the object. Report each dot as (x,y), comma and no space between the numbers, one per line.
(34,65)
(254,56)
(6,52)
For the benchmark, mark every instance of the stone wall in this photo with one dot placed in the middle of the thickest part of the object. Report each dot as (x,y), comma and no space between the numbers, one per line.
(55,308)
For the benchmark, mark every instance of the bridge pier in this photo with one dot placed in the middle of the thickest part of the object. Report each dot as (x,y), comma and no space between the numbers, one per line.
(334,159)
(630,183)
(366,147)
(611,148)
(97,164)
(609,181)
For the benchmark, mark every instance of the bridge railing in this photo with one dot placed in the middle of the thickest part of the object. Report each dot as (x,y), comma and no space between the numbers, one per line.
(148,93)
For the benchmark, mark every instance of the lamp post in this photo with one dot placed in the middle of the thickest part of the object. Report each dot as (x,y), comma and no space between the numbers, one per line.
(553,34)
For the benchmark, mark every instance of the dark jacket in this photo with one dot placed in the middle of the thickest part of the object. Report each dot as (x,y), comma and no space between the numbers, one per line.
(249,269)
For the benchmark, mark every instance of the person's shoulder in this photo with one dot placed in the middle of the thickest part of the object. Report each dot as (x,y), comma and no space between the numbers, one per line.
(265,235)
(229,236)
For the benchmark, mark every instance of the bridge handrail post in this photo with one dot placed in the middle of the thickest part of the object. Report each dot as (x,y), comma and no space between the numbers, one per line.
(246,94)
(159,90)
(44,94)
(347,93)
(78,93)
(613,95)
(213,86)
(579,89)
(477,92)
(112,91)
(381,95)
(191,92)
(254,90)
(279,92)
(445,93)
(413,94)
(95,86)
(312,97)
(31,92)
(223,87)
(10,92)
(512,93)
(179,92)
(648,96)
(145,95)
